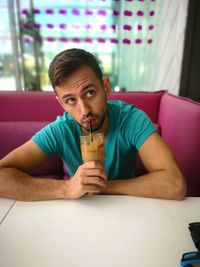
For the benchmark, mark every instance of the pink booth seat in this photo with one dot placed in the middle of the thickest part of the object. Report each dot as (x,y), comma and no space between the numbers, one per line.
(22,114)
(179,119)
(176,118)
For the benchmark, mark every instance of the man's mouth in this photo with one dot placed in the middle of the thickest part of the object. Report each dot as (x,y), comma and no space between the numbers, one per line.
(91,121)
(87,121)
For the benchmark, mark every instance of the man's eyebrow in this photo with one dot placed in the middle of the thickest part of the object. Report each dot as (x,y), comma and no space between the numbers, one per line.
(87,87)
(82,91)
(67,96)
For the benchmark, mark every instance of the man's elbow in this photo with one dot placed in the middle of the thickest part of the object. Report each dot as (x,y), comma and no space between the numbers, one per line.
(180,188)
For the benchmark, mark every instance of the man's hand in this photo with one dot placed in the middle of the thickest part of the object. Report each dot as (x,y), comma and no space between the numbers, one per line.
(90,177)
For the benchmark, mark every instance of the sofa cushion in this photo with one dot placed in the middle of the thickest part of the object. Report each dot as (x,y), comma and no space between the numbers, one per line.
(180,127)
(14,134)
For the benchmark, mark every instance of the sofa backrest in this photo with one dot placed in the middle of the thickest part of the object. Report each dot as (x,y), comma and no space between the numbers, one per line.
(40,106)
(179,119)
(149,102)
(22,114)
(29,106)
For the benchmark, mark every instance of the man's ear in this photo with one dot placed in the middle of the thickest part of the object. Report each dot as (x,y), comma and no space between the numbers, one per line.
(59,101)
(107,86)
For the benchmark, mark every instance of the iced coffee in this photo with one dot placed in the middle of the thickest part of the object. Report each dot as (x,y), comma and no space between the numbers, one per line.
(92,147)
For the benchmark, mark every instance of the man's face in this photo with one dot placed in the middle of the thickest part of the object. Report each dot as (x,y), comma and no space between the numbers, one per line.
(84,97)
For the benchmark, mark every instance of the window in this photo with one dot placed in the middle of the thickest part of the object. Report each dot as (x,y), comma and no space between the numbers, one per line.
(135,41)
(7,76)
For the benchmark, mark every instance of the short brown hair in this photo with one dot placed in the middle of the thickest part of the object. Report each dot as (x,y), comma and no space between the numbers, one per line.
(69,61)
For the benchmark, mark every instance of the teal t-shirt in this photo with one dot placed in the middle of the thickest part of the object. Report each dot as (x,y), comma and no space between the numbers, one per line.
(129,127)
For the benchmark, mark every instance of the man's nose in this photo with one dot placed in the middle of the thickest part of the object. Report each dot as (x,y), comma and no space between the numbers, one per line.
(84,107)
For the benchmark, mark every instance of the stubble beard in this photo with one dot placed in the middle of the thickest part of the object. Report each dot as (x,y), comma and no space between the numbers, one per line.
(99,126)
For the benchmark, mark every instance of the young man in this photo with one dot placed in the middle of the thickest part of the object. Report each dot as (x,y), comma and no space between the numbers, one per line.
(82,92)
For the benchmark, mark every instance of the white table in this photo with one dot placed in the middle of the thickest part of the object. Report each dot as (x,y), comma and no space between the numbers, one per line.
(5,206)
(98,231)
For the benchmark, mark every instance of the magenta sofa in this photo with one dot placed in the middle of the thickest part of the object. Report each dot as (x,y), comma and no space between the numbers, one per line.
(177,120)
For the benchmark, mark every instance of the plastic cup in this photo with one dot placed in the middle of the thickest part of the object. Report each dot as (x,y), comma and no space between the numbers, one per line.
(92,147)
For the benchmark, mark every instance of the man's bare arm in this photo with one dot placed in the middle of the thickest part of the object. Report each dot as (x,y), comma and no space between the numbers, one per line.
(17,183)
(15,180)
(164,179)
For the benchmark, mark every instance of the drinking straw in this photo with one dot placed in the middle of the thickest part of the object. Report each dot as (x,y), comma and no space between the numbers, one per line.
(90,129)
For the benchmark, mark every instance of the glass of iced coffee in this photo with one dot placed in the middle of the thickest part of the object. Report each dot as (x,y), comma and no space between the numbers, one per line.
(92,147)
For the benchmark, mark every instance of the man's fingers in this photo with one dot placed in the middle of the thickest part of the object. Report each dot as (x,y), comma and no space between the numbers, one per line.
(92,189)
(93,180)
(95,173)
(93,165)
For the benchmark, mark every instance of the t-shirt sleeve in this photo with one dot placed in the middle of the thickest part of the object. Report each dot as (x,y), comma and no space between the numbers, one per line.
(45,139)
(140,128)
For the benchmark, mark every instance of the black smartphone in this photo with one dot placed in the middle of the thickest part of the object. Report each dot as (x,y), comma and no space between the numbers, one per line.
(194,228)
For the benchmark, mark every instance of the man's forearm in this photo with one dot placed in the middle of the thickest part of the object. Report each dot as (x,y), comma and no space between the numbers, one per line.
(22,186)
(18,185)
(153,185)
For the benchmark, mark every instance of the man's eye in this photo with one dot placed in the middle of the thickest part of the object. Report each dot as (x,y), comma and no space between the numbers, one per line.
(90,93)
(70,101)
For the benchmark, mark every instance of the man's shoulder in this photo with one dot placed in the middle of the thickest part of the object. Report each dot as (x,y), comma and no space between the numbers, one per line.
(62,120)
(119,108)
(61,123)
(124,114)
(65,117)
